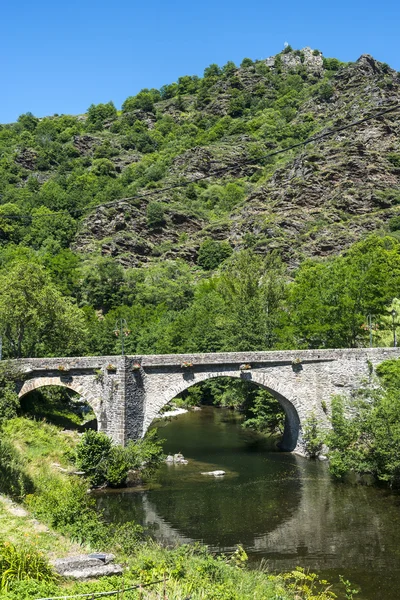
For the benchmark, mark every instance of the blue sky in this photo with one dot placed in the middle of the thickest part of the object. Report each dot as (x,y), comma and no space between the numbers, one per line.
(61,57)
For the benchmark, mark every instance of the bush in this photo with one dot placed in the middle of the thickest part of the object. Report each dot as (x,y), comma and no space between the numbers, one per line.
(313,436)
(394,223)
(155,215)
(9,401)
(105,463)
(93,454)
(212,253)
(325,92)
(99,113)
(65,505)
(143,101)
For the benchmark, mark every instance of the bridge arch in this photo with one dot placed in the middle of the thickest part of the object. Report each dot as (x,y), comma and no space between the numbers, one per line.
(30,385)
(291,438)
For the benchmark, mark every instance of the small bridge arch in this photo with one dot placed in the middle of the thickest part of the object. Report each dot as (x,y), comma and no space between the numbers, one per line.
(29,385)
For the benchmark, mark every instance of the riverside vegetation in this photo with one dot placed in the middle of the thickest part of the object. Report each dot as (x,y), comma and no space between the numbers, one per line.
(299,250)
(28,450)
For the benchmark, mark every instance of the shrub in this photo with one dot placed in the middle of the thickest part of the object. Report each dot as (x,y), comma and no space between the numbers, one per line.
(117,467)
(65,505)
(143,101)
(313,436)
(9,402)
(325,92)
(99,113)
(155,215)
(92,455)
(105,463)
(212,253)
(331,64)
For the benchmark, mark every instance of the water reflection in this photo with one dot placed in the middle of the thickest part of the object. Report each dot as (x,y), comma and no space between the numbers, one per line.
(279,506)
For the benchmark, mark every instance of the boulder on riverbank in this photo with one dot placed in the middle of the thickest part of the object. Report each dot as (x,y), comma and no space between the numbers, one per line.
(176,459)
(87,566)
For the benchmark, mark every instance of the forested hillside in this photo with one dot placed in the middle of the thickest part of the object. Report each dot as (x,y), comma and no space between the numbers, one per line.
(171,214)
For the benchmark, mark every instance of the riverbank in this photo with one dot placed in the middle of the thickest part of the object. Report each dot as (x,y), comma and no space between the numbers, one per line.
(57,519)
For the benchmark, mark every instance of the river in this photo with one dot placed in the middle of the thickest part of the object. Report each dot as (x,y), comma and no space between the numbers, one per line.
(282,508)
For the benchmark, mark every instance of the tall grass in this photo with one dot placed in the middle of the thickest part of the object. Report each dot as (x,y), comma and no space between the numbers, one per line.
(23,562)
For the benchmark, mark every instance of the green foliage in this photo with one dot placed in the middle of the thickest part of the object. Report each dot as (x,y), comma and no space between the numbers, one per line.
(20,563)
(92,455)
(144,101)
(330,299)
(9,401)
(332,64)
(394,223)
(105,463)
(155,215)
(365,435)
(313,436)
(266,413)
(326,91)
(97,114)
(34,316)
(213,253)
(13,479)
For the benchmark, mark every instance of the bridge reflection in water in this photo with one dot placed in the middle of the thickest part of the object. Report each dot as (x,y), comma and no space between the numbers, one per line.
(281,507)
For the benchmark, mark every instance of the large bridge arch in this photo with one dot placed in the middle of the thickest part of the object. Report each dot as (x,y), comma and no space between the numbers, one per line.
(291,438)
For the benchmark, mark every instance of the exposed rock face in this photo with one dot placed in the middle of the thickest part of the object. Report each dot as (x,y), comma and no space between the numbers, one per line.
(27,159)
(311,201)
(315,204)
(85,144)
(121,231)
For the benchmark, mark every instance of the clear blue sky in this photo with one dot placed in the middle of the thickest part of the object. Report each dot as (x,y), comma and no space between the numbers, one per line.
(58,57)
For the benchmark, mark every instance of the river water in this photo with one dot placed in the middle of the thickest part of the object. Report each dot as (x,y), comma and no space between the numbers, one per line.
(282,508)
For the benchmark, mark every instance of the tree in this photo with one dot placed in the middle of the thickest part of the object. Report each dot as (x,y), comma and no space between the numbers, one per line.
(143,101)
(101,283)
(50,225)
(99,113)
(155,215)
(34,317)
(212,253)
(11,223)
(330,300)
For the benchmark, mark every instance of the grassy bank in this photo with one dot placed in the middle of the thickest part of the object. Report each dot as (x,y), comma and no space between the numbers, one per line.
(61,520)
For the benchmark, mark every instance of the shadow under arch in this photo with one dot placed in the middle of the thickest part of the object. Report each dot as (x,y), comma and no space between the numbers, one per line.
(292,427)
(40,383)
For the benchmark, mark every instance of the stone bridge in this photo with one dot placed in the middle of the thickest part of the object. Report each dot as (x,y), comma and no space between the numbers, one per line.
(128,392)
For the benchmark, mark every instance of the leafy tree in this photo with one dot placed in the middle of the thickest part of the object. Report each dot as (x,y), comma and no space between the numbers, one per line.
(212,71)
(330,300)
(9,401)
(212,253)
(28,121)
(144,100)
(246,62)
(155,215)
(11,223)
(99,113)
(101,283)
(35,319)
(50,225)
